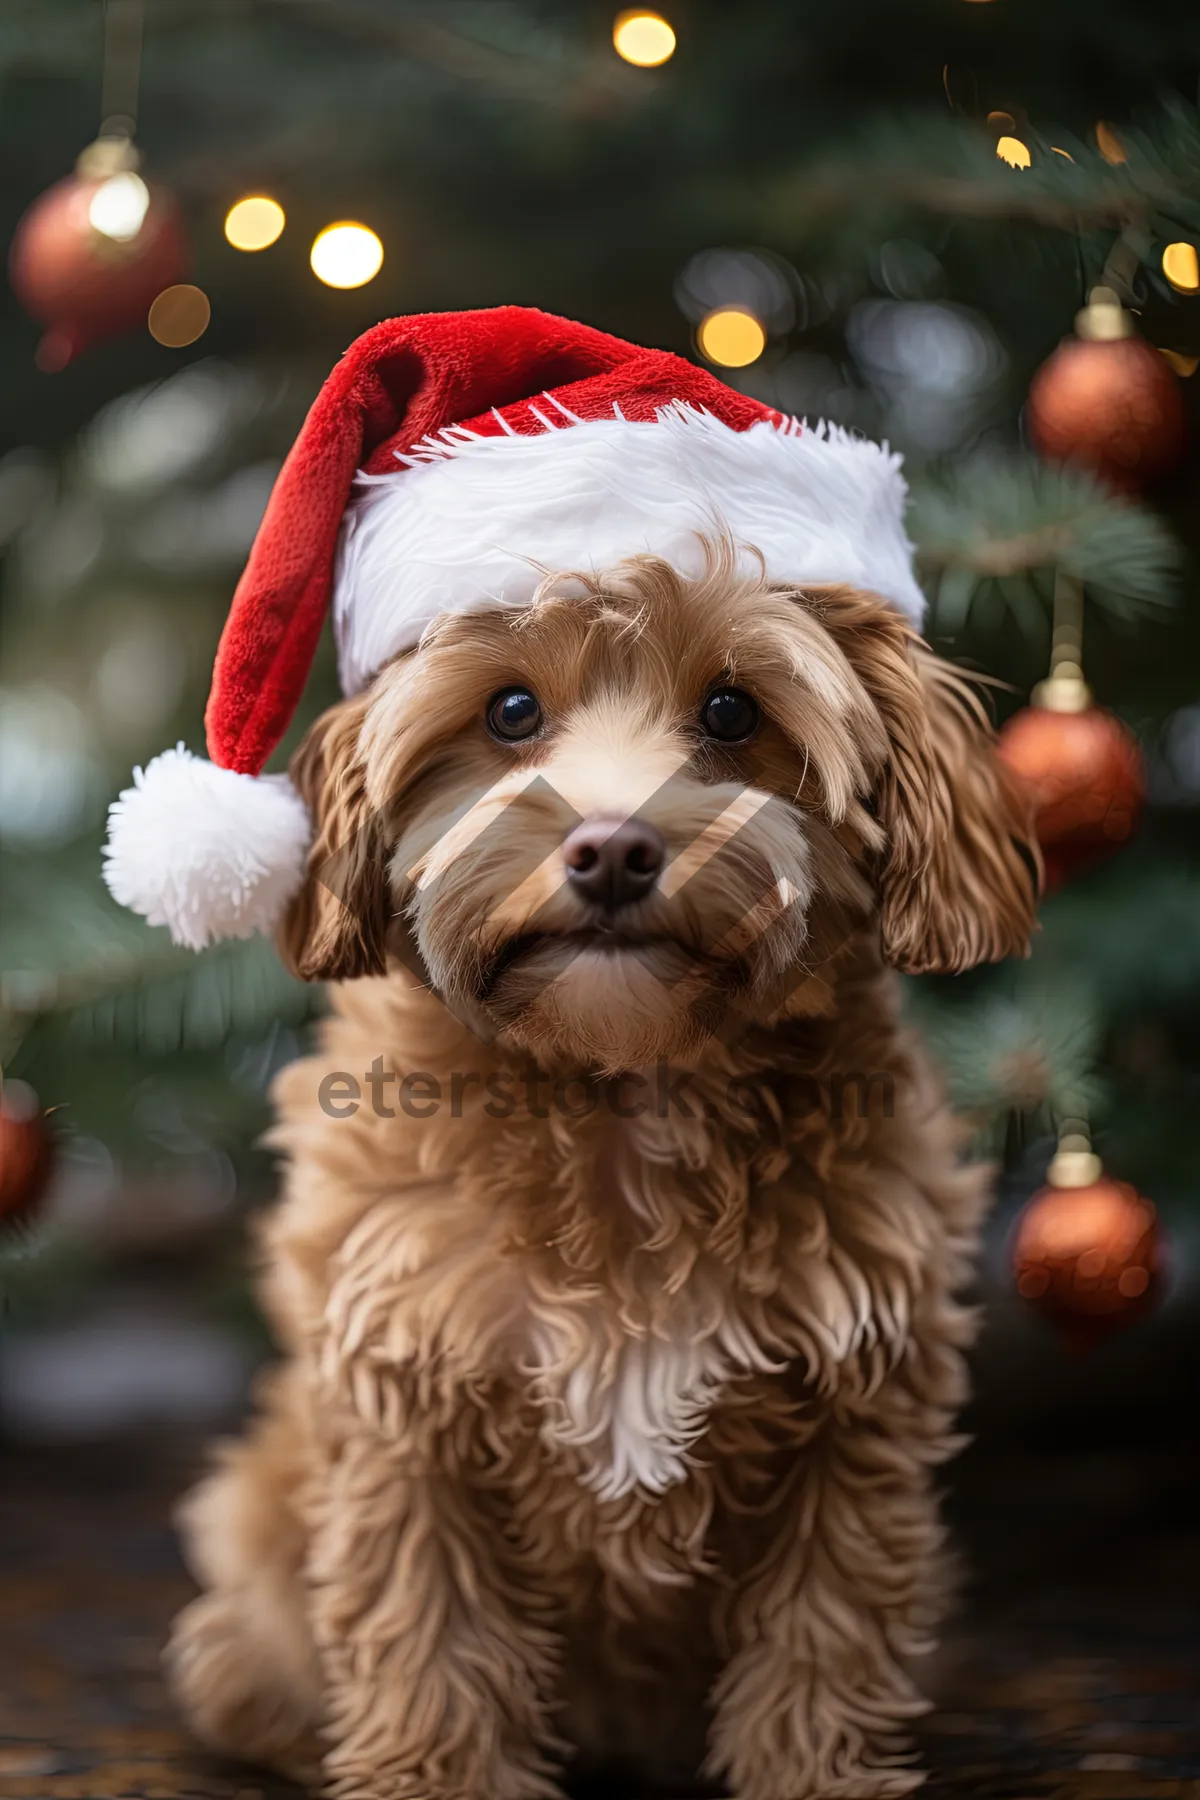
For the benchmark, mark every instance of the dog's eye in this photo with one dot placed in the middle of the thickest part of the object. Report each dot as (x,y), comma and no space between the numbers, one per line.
(513,714)
(729,715)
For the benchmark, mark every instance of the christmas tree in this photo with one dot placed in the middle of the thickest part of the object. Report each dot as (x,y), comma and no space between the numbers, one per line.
(889,228)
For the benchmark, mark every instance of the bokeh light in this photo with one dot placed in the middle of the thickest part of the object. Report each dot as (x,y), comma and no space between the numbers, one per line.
(139,677)
(346,255)
(1183,362)
(643,38)
(179,316)
(254,223)
(1012,151)
(1181,266)
(49,778)
(118,207)
(731,337)
(1109,144)
(754,281)
(1181,756)
(934,369)
(144,441)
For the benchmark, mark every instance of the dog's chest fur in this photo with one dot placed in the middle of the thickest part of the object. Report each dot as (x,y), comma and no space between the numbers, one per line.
(618,1288)
(625,1373)
(616,1355)
(630,1395)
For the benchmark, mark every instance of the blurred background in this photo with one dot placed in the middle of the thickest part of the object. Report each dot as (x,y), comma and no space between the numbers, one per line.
(968,226)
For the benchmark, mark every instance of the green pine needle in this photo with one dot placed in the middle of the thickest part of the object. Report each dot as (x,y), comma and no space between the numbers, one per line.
(1000,523)
(1029,1048)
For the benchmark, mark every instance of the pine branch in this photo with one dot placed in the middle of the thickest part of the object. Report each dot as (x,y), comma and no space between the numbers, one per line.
(40,1269)
(584,85)
(170,1002)
(1027,1046)
(1134,926)
(71,956)
(949,167)
(1004,521)
(234,989)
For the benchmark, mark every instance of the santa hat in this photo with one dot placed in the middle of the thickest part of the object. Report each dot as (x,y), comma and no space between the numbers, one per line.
(450,460)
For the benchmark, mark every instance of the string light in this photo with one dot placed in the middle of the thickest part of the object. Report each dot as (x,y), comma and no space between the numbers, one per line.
(179,316)
(643,38)
(254,223)
(1012,151)
(1109,144)
(118,207)
(346,255)
(1181,266)
(731,337)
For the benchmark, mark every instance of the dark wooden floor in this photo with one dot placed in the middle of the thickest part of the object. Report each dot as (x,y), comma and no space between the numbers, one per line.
(1073,1668)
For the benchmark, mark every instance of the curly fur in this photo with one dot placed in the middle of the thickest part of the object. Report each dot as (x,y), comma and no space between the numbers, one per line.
(602,1427)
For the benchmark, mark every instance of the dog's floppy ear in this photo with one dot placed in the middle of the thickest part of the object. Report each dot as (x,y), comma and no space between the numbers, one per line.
(336,927)
(960,872)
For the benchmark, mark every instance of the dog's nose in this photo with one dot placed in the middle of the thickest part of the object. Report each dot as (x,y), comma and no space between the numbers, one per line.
(612,862)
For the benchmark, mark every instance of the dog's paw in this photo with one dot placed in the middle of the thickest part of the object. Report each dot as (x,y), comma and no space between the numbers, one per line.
(864,1784)
(234,1700)
(348,1777)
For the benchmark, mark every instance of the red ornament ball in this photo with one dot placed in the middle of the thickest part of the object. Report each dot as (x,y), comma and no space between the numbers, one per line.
(1087,776)
(1089,1257)
(26,1153)
(1113,406)
(86,284)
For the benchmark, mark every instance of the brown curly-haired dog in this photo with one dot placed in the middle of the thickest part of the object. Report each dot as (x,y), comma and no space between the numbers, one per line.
(620,1326)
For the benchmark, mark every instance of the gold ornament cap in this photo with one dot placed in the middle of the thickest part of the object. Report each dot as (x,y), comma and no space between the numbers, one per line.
(1103,320)
(1075,1164)
(109,155)
(1064,690)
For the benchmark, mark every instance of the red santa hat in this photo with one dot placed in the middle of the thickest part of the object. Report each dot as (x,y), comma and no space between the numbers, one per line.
(448,461)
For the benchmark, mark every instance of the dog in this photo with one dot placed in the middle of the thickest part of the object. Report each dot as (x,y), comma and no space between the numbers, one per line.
(607,1424)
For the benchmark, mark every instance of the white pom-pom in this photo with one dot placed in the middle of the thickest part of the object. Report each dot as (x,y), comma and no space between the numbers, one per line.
(207,852)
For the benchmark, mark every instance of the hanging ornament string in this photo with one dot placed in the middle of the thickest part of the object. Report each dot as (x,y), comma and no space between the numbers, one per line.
(1123,264)
(1064,689)
(1083,767)
(124,22)
(120,206)
(98,250)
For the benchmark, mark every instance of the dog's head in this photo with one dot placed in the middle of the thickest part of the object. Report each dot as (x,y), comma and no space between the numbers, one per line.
(610,823)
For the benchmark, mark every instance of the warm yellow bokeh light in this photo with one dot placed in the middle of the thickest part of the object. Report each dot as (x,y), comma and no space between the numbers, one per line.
(254,223)
(346,255)
(731,337)
(1012,151)
(643,38)
(1181,266)
(1109,144)
(1182,362)
(179,316)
